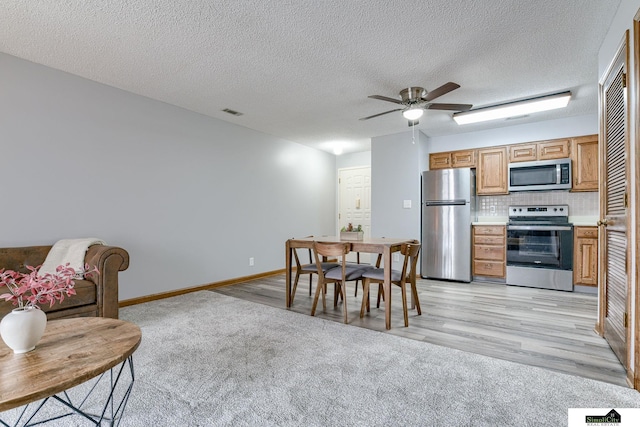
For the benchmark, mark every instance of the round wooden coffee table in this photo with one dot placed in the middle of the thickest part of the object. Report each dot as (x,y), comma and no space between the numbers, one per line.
(71,352)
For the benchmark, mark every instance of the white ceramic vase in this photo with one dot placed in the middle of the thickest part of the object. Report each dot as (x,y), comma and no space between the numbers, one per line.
(22,328)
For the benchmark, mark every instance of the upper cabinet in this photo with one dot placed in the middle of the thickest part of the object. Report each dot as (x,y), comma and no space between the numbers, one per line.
(555,149)
(492,169)
(584,163)
(522,153)
(541,150)
(492,162)
(453,159)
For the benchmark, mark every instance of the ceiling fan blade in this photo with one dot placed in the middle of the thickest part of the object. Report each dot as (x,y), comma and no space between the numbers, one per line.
(380,114)
(452,107)
(386,98)
(445,88)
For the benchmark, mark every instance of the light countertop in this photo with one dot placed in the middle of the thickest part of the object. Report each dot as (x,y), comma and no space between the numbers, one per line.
(584,220)
(491,220)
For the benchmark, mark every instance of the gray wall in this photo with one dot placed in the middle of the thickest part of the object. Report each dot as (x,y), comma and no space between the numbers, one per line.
(396,164)
(190,197)
(550,129)
(352,160)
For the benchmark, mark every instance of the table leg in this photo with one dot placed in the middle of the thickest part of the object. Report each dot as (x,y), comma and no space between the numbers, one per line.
(116,384)
(387,286)
(288,274)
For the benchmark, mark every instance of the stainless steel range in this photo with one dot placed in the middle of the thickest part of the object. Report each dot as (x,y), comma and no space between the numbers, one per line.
(540,247)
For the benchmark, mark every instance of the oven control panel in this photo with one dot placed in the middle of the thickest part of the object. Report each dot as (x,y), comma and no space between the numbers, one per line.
(539,211)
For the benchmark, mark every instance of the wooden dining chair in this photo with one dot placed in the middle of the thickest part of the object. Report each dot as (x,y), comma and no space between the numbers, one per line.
(310,268)
(338,275)
(398,278)
(362,266)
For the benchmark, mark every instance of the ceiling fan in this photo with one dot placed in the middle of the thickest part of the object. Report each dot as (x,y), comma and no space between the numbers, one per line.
(416,99)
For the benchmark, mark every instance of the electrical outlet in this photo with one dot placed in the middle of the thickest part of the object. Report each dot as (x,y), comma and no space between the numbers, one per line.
(492,209)
(396,257)
(251,262)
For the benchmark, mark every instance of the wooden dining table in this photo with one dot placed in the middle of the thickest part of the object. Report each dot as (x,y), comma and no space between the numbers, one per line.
(71,352)
(373,245)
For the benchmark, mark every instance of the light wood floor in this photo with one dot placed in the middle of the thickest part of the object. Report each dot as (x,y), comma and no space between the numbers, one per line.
(539,327)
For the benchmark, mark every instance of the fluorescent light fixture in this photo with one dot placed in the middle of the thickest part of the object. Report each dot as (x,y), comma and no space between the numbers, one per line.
(513,109)
(337,150)
(413,113)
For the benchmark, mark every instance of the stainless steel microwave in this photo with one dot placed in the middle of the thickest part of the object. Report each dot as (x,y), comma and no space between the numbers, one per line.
(541,175)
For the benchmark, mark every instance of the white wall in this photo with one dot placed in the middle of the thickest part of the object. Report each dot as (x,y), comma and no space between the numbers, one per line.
(190,197)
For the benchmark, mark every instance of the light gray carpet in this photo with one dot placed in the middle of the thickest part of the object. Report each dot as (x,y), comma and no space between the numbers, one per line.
(211,360)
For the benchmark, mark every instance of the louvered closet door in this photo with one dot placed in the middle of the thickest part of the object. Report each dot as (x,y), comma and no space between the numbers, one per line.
(613,207)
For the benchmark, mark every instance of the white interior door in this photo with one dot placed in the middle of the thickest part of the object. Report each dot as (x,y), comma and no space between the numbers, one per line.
(354,202)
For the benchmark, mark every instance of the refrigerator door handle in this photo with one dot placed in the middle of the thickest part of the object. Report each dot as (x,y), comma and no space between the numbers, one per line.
(445,202)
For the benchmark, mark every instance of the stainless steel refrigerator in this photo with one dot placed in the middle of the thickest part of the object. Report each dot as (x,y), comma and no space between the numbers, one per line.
(448,209)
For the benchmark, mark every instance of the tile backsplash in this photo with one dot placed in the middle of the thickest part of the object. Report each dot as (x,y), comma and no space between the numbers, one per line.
(580,204)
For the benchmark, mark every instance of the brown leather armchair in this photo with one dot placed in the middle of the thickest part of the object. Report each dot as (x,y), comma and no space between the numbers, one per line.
(96,296)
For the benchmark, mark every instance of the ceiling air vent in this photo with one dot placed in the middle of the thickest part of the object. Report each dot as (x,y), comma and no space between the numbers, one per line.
(235,113)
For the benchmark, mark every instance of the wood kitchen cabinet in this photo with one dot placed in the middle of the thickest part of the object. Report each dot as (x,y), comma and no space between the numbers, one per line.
(523,153)
(489,251)
(491,174)
(554,149)
(491,163)
(585,256)
(452,159)
(540,150)
(584,163)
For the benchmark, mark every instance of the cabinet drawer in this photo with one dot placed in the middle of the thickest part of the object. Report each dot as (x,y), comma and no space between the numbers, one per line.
(488,240)
(588,232)
(488,268)
(556,149)
(489,252)
(439,161)
(522,153)
(463,159)
(496,230)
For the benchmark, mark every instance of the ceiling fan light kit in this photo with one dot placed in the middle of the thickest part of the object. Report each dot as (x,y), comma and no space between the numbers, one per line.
(413,113)
(414,100)
(514,109)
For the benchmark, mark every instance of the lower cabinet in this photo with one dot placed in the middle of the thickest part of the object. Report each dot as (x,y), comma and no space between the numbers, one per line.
(585,256)
(489,251)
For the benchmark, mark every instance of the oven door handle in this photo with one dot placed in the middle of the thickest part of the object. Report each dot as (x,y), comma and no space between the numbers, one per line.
(539,227)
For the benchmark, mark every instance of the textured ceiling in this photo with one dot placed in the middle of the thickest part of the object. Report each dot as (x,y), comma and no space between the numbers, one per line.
(302,69)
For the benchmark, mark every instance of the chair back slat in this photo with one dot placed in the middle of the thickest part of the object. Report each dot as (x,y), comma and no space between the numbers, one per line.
(322,250)
(331,249)
(410,252)
(297,258)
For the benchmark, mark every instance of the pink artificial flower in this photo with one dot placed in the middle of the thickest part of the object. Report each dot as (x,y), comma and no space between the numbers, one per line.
(30,289)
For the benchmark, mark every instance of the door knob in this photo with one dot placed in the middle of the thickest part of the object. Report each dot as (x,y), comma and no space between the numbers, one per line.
(602,222)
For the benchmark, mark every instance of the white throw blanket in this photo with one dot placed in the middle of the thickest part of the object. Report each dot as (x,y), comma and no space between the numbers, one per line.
(70,251)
